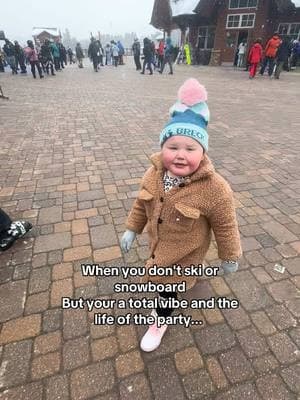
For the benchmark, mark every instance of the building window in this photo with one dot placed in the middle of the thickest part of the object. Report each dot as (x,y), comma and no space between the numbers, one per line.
(242,4)
(206,38)
(289,30)
(240,21)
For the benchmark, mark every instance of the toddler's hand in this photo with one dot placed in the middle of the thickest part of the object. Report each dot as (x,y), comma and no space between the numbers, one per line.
(127,240)
(229,267)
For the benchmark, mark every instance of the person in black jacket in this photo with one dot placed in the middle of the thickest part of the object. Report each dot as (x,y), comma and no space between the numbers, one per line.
(46,57)
(10,54)
(282,55)
(94,52)
(136,49)
(147,51)
(20,57)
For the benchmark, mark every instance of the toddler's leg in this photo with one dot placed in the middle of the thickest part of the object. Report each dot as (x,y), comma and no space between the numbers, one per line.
(152,338)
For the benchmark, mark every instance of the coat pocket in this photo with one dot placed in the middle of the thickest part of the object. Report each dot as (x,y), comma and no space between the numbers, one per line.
(147,199)
(185,217)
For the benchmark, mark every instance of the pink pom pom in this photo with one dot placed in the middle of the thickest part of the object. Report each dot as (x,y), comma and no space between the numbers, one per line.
(191,92)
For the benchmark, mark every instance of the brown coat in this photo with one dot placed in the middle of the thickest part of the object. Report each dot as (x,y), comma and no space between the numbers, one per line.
(179,222)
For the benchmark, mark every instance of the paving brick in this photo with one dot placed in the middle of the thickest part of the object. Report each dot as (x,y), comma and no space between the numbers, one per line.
(47,343)
(31,391)
(80,280)
(15,364)
(261,275)
(252,295)
(45,365)
(134,388)
(214,338)
(281,317)
(52,320)
(127,338)
(39,280)
(263,323)
(62,227)
(271,387)
(79,226)
(62,271)
(291,377)
(252,343)
(77,253)
(164,380)
(57,388)
(246,391)
(282,291)
(99,331)
(55,257)
(50,215)
(292,265)
(55,241)
(11,300)
(108,254)
(103,236)
(188,360)
(20,329)
(104,348)
(279,232)
(236,318)
(75,353)
(197,384)
(283,348)
(216,373)
(213,316)
(83,380)
(236,366)
(74,323)
(265,363)
(129,363)
(59,289)
(37,303)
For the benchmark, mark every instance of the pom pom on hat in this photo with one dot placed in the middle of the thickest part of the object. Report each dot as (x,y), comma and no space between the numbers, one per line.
(192,92)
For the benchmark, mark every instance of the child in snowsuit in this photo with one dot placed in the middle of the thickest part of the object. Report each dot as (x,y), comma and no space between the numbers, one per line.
(181,201)
(254,58)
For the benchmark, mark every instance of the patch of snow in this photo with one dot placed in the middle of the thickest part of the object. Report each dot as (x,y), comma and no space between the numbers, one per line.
(181,7)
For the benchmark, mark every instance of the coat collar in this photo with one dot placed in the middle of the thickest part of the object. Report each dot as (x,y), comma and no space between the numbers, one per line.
(205,169)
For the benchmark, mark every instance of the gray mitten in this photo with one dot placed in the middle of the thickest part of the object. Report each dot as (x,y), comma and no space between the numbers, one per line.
(127,240)
(229,266)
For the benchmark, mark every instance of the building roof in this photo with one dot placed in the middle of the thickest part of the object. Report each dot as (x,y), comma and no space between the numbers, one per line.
(50,31)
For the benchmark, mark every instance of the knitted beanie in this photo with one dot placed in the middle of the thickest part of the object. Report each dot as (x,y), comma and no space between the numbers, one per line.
(189,115)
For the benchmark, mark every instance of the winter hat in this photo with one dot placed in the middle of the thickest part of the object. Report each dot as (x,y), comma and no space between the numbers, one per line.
(189,115)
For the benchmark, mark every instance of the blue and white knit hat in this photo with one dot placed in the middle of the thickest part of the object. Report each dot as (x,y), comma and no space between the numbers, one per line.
(189,115)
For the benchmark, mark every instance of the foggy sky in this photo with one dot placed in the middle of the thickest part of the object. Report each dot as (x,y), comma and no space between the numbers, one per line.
(81,17)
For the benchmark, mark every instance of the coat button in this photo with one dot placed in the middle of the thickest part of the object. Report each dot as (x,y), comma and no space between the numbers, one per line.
(153,256)
(161,199)
(159,220)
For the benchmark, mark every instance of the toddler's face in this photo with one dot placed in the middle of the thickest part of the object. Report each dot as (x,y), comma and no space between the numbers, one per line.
(181,155)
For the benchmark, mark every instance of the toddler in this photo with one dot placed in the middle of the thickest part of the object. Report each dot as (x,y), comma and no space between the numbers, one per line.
(182,200)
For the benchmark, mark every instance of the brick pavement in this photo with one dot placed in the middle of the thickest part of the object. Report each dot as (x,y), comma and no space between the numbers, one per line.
(73,148)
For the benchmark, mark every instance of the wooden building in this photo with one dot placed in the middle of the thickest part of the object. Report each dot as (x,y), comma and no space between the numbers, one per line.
(216,27)
(40,34)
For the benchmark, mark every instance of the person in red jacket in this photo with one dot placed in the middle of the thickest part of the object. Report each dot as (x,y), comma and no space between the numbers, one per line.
(254,57)
(270,54)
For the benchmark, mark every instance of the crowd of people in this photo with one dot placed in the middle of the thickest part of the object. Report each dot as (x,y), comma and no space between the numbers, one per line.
(154,56)
(51,56)
(277,55)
